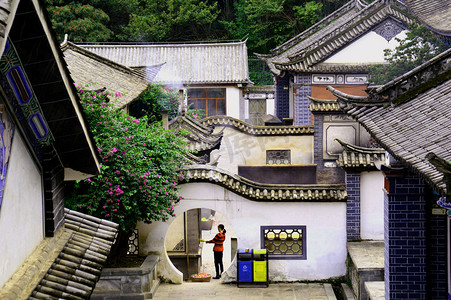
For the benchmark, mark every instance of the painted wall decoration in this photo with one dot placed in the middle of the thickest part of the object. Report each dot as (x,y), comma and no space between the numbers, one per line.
(20,96)
(6,138)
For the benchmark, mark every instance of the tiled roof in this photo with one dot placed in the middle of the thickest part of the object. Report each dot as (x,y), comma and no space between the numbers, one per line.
(436,14)
(266,192)
(318,105)
(183,63)
(66,266)
(305,51)
(257,130)
(410,116)
(77,268)
(200,137)
(96,72)
(359,158)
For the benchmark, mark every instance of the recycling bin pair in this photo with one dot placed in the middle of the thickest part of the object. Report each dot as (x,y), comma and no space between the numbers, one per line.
(252,267)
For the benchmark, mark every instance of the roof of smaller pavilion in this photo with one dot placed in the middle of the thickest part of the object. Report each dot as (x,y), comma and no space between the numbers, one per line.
(257,130)
(409,116)
(68,265)
(436,14)
(199,136)
(323,106)
(356,158)
(307,51)
(95,72)
(185,63)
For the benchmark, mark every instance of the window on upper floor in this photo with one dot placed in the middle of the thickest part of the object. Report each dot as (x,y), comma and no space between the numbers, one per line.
(211,100)
(284,242)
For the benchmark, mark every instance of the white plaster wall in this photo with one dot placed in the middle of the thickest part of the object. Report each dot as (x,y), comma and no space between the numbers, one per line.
(270,107)
(238,148)
(367,49)
(372,206)
(234,105)
(326,231)
(21,213)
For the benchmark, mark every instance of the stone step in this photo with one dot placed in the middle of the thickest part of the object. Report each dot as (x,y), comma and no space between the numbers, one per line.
(347,292)
(365,264)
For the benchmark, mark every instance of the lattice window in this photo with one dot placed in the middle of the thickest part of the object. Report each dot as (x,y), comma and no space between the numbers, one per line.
(133,243)
(284,242)
(278,157)
(211,100)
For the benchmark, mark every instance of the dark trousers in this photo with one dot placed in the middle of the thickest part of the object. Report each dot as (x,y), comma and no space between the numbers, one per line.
(218,262)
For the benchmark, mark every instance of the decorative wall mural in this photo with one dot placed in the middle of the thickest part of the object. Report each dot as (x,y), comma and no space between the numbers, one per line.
(6,138)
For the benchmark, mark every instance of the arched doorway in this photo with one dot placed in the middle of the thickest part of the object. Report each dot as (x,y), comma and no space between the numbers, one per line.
(183,246)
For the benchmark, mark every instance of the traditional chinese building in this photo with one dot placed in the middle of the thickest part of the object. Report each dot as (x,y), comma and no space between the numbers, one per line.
(212,76)
(46,251)
(409,118)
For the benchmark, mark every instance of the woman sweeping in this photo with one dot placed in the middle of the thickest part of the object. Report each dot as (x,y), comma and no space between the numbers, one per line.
(218,249)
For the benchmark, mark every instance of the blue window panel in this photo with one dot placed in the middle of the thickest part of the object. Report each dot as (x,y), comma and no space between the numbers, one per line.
(37,124)
(19,84)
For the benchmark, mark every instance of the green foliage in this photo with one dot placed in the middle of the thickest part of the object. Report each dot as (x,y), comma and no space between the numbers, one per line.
(268,23)
(171,20)
(259,72)
(139,167)
(418,47)
(153,100)
(82,22)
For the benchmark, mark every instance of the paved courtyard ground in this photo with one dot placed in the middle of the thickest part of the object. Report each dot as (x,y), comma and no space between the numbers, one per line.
(214,290)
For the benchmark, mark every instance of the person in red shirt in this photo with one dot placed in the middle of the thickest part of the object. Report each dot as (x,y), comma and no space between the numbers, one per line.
(218,250)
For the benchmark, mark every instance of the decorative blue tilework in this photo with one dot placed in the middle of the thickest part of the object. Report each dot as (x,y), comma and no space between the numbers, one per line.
(405,238)
(353,206)
(318,141)
(282,97)
(302,114)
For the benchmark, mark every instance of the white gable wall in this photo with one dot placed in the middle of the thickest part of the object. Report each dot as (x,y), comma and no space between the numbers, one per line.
(372,205)
(325,230)
(22,212)
(367,49)
(234,103)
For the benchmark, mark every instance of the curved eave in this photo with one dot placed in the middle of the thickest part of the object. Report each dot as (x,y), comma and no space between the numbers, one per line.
(258,130)
(265,192)
(322,106)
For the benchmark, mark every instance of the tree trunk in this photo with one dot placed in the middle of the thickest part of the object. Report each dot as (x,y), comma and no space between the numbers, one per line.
(120,247)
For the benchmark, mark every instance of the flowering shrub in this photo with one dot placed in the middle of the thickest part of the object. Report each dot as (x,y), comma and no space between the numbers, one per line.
(139,167)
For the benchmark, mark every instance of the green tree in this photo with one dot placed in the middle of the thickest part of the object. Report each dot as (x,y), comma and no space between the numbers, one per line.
(418,47)
(82,22)
(269,23)
(171,20)
(140,168)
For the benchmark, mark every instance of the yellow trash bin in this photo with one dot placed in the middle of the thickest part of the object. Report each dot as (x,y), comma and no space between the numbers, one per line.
(260,265)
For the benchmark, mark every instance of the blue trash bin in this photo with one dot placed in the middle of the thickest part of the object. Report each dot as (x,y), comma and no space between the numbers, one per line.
(244,261)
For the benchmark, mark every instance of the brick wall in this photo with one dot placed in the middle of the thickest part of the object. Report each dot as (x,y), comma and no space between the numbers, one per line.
(302,114)
(318,121)
(405,242)
(353,206)
(436,255)
(282,97)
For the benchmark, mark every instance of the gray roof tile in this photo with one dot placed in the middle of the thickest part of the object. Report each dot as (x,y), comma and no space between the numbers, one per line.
(183,63)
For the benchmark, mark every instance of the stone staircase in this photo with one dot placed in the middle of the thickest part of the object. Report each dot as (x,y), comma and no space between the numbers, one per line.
(365,271)
(128,283)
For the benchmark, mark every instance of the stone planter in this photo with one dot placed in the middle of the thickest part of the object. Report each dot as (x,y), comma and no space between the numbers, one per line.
(128,283)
